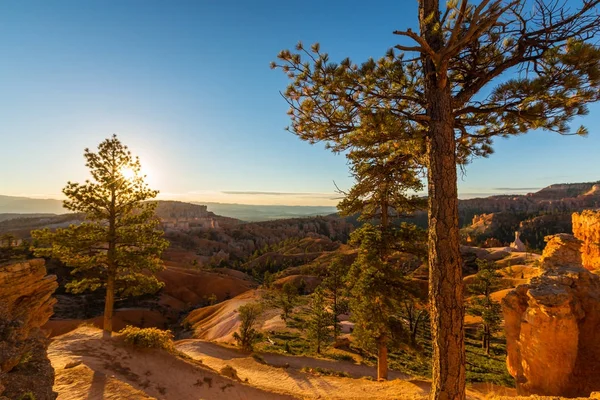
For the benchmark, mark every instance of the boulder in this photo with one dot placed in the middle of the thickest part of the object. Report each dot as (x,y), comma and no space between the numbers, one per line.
(552,325)
(26,304)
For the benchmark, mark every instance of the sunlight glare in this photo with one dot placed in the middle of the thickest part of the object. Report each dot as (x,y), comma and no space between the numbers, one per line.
(127,173)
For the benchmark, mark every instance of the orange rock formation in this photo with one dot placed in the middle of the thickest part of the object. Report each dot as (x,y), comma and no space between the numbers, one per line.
(552,325)
(26,304)
(586,227)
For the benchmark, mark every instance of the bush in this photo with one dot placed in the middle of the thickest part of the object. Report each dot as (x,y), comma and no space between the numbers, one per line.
(148,337)
(318,371)
(229,372)
(247,335)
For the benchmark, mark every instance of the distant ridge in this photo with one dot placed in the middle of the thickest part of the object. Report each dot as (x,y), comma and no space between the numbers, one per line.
(26,205)
(557,197)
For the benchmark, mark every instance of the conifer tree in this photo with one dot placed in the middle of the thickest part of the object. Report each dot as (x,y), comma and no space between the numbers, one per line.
(248,335)
(319,321)
(119,244)
(374,294)
(482,304)
(472,72)
(333,289)
(287,299)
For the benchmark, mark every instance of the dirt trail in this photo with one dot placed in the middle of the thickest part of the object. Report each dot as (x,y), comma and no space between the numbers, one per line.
(290,380)
(88,367)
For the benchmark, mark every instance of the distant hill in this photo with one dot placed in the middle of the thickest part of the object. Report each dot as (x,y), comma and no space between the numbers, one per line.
(558,198)
(254,213)
(26,205)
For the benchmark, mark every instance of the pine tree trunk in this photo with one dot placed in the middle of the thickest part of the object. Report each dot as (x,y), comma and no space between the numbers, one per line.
(382,363)
(445,265)
(109,306)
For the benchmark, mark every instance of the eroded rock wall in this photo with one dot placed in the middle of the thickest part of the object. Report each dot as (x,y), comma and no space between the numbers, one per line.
(26,304)
(586,227)
(553,325)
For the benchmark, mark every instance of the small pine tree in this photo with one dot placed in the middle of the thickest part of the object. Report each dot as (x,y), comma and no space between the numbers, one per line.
(486,281)
(212,299)
(287,299)
(248,335)
(267,279)
(334,285)
(319,321)
(118,246)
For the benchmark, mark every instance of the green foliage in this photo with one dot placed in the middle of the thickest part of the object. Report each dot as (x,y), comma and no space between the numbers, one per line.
(287,298)
(248,335)
(92,249)
(334,287)
(120,241)
(482,305)
(375,287)
(319,321)
(27,396)
(212,299)
(267,280)
(153,338)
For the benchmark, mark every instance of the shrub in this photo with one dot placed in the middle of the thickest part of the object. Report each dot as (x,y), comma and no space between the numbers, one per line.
(247,335)
(229,372)
(27,396)
(318,371)
(148,337)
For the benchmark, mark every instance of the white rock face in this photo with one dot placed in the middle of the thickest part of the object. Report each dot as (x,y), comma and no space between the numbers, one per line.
(517,245)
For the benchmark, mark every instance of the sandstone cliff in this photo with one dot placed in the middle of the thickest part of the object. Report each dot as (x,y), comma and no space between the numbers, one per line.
(25,305)
(586,227)
(552,325)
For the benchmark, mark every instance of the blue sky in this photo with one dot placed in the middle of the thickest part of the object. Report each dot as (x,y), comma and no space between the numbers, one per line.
(187,85)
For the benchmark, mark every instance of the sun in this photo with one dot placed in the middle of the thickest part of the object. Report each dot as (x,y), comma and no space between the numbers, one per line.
(128,173)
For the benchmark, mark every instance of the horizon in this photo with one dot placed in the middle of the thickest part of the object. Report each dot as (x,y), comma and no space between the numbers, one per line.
(463,196)
(190,91)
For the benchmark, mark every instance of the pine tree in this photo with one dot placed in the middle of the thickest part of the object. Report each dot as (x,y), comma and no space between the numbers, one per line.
(471,73)
(482,305)
(119,244)
(334,286)
(286,299)
(374,294)
(248,335)
(319,321)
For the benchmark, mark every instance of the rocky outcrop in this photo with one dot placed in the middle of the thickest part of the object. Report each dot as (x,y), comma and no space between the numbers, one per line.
(562,250)
(552,325)
(586,227)
(26,304)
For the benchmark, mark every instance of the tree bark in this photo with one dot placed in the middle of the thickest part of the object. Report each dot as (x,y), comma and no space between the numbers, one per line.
(445,265)
(109,305)
(111,259)
(382,363)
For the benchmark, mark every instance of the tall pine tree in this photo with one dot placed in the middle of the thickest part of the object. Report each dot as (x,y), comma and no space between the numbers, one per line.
(539,68)
(119,244)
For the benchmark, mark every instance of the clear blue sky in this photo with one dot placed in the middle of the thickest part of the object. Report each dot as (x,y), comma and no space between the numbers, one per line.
(187,85)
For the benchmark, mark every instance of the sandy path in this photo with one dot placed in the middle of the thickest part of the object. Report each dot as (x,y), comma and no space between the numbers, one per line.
(291,381)
(109,369)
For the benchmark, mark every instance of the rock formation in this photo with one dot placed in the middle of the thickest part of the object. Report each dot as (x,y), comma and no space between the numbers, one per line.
(586,227)
(25,305)
(552,325)
(517,245)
